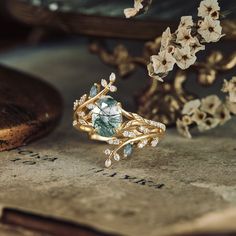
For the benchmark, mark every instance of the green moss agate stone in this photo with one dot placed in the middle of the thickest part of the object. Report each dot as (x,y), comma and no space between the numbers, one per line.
(106,116)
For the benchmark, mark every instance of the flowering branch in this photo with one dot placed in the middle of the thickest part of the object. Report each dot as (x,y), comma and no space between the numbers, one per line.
(140,7)
(208,112)
(181,47)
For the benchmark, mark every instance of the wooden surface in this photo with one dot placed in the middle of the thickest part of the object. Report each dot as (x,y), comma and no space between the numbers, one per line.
(92,25)
(29,108)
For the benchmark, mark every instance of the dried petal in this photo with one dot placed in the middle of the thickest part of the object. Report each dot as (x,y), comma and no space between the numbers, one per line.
(191,106)
(210,104)
(222,114)
(210,30)
(208,7)
(183,129)
(207,124)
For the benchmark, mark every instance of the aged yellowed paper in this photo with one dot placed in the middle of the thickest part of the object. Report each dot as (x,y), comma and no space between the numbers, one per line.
(157,191)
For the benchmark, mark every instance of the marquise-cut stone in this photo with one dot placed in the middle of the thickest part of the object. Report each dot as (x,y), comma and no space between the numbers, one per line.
(127,150)
(106,116)
(93,91)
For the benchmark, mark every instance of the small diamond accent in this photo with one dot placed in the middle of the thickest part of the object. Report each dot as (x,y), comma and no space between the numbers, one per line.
(141,128)
(112,77)
(103,82)
(108,163)
(75,122)
(140,145)
(110,141)
(117,157)
(116,141)
(82,122)
(113,88)
(90,106)
(82,99)
(154,142)
(132,134)
(126,133)
(76,103)
(81,113)
(107,152)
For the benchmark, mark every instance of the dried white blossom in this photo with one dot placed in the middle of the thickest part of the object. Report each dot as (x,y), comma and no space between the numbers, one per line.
(183,129)
(191,106)
(186,22)
(215,15)
(208,7)
(152,74)
(210,104)
(231,106)
(184,37)
(163,62)
(130,12)
(210,30)
(188,39)
(230,87)
(139,7)
(207,124)
(209,112)
(184,57)
(166,39)
(187,120)
(199,116)
(196,46)
(222,114)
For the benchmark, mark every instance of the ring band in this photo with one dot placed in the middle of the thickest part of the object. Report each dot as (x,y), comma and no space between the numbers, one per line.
(104,119)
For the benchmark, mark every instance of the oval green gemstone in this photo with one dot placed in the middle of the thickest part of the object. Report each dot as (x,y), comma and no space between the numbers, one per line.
(106,116)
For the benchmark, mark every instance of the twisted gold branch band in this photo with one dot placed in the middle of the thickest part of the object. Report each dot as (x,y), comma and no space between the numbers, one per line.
(104,119)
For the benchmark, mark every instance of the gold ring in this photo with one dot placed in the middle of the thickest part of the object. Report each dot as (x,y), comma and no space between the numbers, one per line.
(104,119)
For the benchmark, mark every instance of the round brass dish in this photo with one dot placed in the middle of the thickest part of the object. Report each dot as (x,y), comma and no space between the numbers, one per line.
(29,108)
